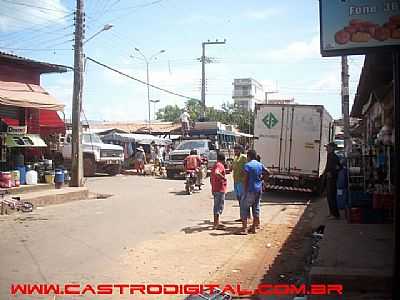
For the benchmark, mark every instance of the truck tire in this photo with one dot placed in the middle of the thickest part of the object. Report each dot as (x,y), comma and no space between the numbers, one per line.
(170,174)
(89,167)
(114,170)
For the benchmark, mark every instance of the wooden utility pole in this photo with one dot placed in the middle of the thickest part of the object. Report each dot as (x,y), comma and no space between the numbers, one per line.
(77,159)
(345,104)
(203,74)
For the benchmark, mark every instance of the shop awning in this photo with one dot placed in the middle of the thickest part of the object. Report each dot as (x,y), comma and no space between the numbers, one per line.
(24,140)
(27,95)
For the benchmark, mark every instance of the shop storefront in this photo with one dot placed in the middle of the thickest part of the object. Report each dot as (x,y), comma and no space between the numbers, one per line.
(371,172)
(30,127)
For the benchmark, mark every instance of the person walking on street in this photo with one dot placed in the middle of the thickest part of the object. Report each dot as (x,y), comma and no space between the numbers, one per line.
(332,168)
(140,158)
(238,164)
(218,187)
(255,172)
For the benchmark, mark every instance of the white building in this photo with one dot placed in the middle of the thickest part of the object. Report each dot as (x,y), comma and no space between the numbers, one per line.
(247,92)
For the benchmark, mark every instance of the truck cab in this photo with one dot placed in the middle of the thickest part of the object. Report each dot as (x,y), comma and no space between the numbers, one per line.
(174,162)
(97,156)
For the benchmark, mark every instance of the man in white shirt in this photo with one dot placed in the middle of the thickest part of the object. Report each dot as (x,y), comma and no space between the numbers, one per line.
(185,119)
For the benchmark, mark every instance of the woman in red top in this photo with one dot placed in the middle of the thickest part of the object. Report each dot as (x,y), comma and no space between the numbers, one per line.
(218,186)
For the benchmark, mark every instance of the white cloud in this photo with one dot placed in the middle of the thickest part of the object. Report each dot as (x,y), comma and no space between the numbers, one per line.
(297,50)
(261,14)
(25,13)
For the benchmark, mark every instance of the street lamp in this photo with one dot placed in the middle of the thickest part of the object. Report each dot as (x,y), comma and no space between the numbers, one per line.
(154,106)
(105,28)
(147,61)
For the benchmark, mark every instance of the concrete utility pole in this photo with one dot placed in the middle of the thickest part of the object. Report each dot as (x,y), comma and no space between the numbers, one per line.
(345,104)
(77,161)
(203,73)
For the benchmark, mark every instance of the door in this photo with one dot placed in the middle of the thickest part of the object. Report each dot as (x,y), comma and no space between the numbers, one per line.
(304,140)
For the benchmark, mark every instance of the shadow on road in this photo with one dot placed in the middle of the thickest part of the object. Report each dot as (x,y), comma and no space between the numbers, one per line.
(230,228)
(289,267)
(275,197)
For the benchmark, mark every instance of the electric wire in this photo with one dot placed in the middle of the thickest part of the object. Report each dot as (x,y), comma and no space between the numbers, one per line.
(138,80)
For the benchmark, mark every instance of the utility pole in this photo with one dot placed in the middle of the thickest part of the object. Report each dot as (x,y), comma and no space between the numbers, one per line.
(203,74)
(345,104)
(77,161)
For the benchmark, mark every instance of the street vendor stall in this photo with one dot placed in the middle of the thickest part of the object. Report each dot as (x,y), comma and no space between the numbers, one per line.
(131,141)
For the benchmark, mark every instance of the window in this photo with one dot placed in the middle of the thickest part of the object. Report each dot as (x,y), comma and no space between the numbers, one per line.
(90,138)
(192,145)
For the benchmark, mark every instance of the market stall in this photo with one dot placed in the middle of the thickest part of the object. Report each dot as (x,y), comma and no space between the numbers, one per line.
(131,141)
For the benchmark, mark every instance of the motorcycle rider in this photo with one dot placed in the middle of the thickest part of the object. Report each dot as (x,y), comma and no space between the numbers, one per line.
(193,163)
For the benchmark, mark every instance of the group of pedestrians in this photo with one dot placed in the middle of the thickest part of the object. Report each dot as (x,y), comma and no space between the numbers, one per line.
(248,174)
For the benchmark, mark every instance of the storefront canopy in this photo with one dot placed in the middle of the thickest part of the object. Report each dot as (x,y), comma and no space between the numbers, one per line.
(25,140)
(27,95)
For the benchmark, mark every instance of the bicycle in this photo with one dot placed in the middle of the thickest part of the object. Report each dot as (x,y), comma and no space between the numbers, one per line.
(15,203)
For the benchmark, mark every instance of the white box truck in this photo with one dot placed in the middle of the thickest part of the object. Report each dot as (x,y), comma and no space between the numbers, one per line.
(290,139)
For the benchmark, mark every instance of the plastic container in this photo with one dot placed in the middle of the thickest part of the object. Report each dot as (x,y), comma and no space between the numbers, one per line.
(59,178)
(31,177)
(22,174)
(49,177)
(5,180)
(15,178)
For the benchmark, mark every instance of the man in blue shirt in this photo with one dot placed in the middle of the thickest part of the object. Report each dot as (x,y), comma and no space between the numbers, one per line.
(254,175)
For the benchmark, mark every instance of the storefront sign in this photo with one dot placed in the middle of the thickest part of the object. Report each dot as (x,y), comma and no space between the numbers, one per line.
(17,129)
(358,26)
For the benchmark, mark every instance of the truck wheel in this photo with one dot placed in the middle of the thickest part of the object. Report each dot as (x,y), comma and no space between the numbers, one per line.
(89,167)
(170,174)
(114,170)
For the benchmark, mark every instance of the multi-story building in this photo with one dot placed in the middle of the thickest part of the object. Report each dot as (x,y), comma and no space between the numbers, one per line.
(247,92)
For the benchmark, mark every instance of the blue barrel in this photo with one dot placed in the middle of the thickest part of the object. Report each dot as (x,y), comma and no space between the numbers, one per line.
(59,176)
(22,174)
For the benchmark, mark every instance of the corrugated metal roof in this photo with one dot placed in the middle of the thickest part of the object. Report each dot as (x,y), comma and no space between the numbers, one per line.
(43,66)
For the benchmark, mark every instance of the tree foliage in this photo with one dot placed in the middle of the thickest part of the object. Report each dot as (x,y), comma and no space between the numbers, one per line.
(227,114)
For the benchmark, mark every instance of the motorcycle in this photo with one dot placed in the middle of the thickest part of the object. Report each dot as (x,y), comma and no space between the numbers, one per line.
(191,181)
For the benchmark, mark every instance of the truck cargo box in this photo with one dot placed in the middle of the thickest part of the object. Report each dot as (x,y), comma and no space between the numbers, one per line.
(290,139)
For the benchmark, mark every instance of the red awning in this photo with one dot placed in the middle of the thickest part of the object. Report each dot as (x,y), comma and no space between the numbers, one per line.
(50,122)
(9,121)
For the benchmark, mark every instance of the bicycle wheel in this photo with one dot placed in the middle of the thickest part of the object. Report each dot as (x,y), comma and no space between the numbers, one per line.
(26,206)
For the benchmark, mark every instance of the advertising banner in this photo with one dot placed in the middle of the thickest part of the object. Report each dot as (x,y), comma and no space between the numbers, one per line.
(358,26)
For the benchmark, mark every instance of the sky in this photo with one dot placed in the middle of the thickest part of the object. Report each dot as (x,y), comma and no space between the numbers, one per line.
(274,42)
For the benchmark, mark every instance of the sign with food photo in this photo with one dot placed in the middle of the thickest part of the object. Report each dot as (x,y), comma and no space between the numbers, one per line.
(358,26)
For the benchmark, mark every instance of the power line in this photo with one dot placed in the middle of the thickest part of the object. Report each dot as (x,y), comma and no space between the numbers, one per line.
(138,80)
(34,6)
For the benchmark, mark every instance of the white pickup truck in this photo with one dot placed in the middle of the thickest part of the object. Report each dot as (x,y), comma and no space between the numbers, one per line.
(97,156)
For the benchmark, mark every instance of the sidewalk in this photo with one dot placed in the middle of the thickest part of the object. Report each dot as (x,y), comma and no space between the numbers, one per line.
(359,256)
(42,195)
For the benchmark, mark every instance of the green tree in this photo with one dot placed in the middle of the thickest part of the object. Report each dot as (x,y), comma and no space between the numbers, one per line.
(169,113)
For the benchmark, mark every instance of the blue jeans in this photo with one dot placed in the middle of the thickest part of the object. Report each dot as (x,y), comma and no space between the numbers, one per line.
(250,200)
(239,190)
(219,199)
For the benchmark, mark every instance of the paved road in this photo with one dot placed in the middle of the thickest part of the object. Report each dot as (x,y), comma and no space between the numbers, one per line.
(84,241)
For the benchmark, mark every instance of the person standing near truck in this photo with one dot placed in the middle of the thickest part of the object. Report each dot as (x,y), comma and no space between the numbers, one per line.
(255,171)
(239,161)
(332,168)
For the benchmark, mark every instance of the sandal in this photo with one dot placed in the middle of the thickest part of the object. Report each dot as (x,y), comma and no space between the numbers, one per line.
(219,227)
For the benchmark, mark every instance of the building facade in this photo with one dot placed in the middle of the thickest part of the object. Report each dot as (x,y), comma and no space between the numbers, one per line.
(247,92)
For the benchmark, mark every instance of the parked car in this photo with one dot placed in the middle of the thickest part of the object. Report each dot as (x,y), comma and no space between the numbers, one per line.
(97,156)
